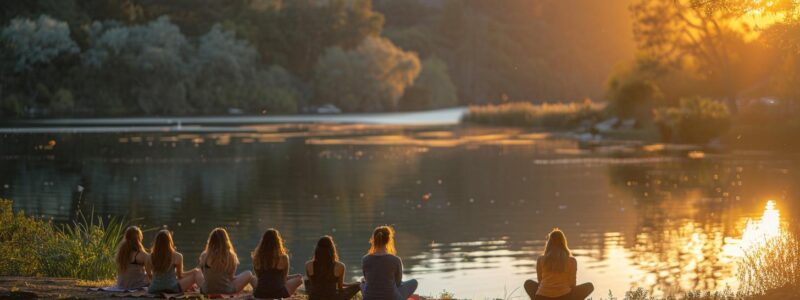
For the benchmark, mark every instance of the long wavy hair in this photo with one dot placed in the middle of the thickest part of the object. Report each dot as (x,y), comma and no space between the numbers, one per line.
(325,257)
(162,251)
(269,251)
(219,251)
(382,237)
(131,241)
(556,252)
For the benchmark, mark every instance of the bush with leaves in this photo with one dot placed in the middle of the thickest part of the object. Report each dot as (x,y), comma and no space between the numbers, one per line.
(37,41)
(697,121)
(371,77)
(633,90)
(432,89)
(84,249)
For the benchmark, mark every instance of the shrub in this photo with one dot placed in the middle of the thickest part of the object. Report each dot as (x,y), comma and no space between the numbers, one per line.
(32,247)
(547,115)
(432,89)
(35,42)
(770,266)
(632,90)
(697,120)
(371,77)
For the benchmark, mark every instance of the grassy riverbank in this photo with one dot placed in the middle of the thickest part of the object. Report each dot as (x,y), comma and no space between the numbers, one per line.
(555,116)
(36,247)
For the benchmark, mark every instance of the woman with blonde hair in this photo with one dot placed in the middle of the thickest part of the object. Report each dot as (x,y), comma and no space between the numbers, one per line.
(556,272)
(130,258)
(383,269)
(218,262)
(271,264)
(165,267)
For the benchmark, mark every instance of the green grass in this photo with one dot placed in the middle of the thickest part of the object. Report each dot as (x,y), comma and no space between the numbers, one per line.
(559,116)
(83,249)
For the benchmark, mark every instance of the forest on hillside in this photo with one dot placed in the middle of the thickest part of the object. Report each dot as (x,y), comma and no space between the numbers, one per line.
(193,57)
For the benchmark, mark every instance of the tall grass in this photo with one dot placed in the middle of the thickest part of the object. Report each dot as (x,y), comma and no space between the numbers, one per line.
(547,115)
(83,249)
(770,267)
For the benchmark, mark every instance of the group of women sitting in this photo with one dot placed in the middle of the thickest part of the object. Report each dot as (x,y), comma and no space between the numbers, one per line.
(161,270)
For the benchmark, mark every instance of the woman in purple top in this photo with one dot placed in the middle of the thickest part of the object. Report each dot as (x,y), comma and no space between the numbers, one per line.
(383,269)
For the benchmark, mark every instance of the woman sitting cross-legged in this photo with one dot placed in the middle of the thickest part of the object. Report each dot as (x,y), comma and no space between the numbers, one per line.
(383,269)
(218,262)
(271,264)
(130,259)
(165,266)
(556,273)
(326,274)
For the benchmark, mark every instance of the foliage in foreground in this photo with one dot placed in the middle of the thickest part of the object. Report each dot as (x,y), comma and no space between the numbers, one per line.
(33,247)
(773,266)
(547,115)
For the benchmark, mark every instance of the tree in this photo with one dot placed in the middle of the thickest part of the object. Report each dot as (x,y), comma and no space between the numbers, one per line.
(432,89)
(296,33)
(149,60)
(371,77)
(633,90)
(224,68)
(37,41)
(701,35)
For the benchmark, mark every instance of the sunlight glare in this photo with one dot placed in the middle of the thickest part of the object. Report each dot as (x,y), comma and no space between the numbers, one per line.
(757,232)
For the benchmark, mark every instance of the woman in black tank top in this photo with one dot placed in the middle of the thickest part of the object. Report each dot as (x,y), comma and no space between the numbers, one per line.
(271,265)
(326,274)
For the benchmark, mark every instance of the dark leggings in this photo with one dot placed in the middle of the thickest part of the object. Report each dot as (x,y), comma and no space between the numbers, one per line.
(348,292)
(345,293)
(579,292)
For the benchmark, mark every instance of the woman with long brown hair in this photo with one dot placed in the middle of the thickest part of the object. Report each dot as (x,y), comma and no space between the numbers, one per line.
(326,274)
(218,262)
(556,272)
(271,264)
(165,267)
(130,258)
(383,269)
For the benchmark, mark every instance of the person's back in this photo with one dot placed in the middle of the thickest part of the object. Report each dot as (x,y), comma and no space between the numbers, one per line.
(557,283)
(383,274)
(271,265)
(556,273)
(322,286)
(271,284)
(134,275)
(130,259)
(326,274)
(217,280)
(383,269)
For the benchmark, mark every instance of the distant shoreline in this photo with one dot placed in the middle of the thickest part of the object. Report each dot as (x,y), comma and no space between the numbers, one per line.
(447,116)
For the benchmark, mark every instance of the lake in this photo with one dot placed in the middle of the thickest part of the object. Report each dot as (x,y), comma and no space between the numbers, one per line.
(472,207)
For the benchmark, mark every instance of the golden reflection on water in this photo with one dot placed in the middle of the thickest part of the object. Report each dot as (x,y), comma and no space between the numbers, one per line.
(757,232)
(698,255)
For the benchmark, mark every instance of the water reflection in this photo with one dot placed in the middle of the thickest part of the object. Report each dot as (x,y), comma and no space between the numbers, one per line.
(471,216)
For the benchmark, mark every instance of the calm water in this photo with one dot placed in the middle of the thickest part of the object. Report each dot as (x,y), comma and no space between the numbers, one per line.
(472,208)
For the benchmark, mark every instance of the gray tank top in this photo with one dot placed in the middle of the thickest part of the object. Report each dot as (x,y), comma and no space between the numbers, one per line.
(216,282)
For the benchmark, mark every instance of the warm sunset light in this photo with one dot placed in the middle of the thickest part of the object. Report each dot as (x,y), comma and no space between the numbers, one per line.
(758,232)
